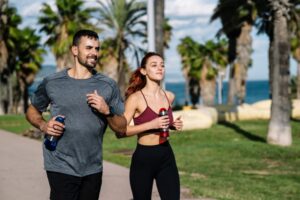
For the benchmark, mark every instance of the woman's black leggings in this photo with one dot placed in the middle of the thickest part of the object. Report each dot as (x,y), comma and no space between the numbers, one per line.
(154,162)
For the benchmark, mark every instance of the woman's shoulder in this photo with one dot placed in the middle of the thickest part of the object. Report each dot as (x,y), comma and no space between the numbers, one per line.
(170,95)
(135,96)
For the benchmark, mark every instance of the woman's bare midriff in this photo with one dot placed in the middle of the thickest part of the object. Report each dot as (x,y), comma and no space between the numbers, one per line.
(151,139)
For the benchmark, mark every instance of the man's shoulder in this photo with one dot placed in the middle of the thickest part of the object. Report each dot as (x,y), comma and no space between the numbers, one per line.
(57,75)
(102,77)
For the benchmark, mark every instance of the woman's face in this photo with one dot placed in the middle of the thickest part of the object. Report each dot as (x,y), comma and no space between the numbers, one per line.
(155,68)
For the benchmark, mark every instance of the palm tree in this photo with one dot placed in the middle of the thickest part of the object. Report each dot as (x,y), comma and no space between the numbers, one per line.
(294,27)
(3,48)
(237,18)
(28,52)
(124,20)
(9,23)
(279,131)
(167,28)
(214,54)
(201,62)
(60,27)
(24,57)
(3,54)
(108,63)
(295,48)
(189,51)
(159,6)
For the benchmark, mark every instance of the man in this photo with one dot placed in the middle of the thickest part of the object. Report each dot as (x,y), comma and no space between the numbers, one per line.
(89,102)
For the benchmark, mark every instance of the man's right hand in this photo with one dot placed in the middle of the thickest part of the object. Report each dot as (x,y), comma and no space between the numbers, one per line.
(52,127)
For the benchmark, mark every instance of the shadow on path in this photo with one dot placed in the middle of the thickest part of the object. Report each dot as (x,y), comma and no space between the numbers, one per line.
(244,133)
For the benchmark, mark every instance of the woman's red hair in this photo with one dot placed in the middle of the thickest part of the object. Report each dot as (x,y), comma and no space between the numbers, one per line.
(137,80)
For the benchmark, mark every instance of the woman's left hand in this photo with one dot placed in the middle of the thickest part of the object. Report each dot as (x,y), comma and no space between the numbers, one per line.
(178,124)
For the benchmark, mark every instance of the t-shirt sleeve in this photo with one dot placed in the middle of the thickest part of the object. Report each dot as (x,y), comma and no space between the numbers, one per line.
(117,101)
(40,99)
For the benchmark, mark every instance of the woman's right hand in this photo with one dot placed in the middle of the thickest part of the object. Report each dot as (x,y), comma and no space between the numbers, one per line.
(160,122)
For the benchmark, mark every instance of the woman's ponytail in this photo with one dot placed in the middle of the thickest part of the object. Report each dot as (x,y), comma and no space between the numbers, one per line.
(136,82)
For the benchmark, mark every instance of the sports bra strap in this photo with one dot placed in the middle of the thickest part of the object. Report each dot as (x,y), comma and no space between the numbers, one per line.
(167,98)
(144,97)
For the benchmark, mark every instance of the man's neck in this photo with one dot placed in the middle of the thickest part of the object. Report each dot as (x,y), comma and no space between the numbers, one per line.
(80,72)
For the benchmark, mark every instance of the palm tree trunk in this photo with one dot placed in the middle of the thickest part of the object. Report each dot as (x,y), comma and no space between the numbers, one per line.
(271,67)
(208,87)
(10,93)
(279,132)
(208,92)
(3,60)
(186,98)
(231,86)
(244,43)
(298,81)
(121,67)
(159,21)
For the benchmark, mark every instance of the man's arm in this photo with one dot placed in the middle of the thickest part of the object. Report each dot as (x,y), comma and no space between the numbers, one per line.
(51,127)
(118,124)
(35,118)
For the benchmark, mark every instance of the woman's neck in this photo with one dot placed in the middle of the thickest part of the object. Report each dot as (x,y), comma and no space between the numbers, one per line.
(152,88)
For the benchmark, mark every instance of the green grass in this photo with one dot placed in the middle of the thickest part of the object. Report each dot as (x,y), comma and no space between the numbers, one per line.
(228,161)
(14,123)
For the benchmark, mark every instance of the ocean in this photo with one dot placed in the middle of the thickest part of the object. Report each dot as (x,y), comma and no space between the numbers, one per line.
(256,90)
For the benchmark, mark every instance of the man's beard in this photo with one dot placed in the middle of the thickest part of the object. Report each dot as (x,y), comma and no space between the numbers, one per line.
(86,64)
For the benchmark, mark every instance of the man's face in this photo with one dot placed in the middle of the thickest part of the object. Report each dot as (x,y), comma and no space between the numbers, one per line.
(87,52)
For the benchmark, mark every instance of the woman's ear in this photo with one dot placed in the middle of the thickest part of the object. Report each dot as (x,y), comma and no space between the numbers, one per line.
(143,71)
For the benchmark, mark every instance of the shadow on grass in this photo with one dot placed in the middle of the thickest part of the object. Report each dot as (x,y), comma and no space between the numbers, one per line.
(244,133)
(295,120)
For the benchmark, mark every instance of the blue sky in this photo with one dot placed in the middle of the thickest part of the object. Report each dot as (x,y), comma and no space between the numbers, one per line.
(188,18)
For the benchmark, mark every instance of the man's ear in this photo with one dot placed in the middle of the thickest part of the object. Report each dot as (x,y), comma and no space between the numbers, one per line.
(74,50)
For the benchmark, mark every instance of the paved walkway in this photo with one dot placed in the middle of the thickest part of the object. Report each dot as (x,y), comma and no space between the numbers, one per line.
(22,176)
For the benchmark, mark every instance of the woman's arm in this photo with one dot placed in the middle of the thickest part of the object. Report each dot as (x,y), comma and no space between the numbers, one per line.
(177,123)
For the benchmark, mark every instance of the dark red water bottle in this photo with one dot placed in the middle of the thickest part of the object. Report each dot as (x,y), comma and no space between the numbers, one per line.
(164,132)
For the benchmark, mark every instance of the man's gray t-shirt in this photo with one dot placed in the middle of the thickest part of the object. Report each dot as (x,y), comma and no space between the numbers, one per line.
(79,150)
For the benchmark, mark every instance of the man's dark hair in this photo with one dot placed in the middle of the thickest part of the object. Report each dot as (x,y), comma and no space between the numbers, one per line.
(82,33)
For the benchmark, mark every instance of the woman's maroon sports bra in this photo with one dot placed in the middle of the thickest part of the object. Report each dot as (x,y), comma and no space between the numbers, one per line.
(148,114)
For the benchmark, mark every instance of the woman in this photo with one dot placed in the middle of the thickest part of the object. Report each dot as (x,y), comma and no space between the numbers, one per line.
(153,157)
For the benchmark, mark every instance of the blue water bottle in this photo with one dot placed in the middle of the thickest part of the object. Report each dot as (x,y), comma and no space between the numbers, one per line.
(50,140)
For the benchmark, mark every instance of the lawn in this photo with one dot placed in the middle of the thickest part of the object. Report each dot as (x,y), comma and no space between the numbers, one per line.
(228,161)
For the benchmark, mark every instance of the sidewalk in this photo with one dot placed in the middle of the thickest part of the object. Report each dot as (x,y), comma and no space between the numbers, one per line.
(22,176)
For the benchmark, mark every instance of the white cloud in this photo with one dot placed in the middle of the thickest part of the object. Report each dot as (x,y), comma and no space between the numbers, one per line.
(188,18)
(185,8)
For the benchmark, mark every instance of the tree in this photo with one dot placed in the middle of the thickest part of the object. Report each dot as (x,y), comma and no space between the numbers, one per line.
(294,27)
(159,7)
(295,48)
(28,52)
(23,60)
(124,20)
(9,23)
(3,48)
(279,130)
(3,54)
(188,49)
(201,62)
(61,26)
(237,18)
